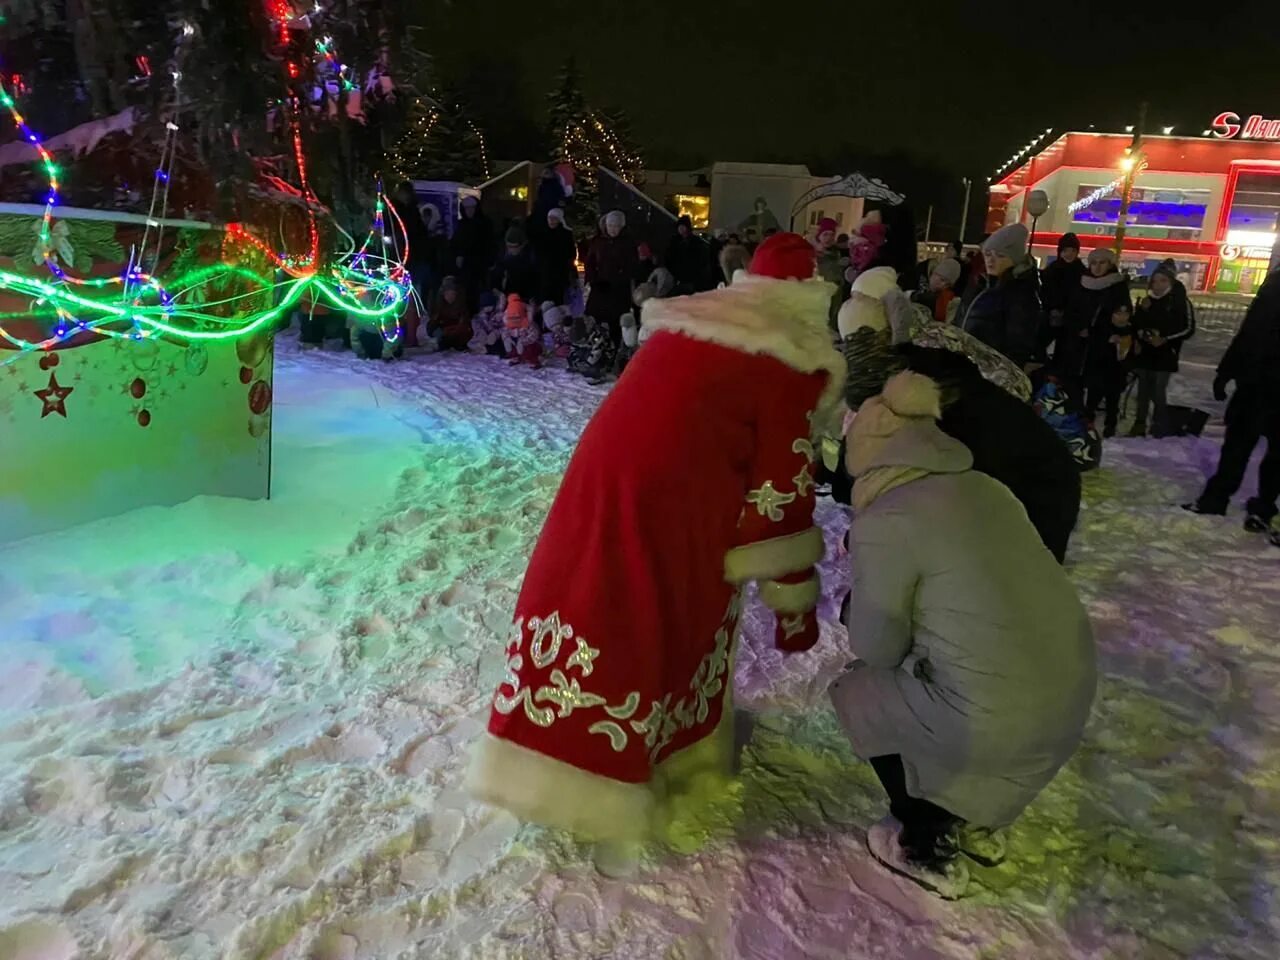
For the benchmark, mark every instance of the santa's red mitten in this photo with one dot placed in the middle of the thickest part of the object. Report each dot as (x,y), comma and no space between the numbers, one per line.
(796,633)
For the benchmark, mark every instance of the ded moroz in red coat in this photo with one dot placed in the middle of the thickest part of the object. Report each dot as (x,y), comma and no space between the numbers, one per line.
(694,477)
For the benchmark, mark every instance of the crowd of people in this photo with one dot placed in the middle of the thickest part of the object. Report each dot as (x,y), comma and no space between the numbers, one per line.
(1086,339)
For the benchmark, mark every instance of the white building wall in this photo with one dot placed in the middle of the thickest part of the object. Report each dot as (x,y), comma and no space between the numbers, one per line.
(1063,187)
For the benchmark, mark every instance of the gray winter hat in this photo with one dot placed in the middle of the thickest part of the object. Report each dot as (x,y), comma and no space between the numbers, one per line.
(1009,241)
(948,268)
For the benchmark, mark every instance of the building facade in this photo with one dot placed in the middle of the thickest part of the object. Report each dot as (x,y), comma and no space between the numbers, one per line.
(1212,203)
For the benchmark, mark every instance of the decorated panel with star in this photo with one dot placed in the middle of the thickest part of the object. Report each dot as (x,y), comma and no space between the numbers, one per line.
(95,429)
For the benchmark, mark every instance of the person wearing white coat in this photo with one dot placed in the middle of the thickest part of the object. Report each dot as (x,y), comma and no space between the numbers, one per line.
(976,667)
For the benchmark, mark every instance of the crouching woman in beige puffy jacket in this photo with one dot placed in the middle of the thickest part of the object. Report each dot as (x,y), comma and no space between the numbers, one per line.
(976,666)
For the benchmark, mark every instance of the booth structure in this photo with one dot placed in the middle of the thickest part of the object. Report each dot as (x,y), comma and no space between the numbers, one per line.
(96,425)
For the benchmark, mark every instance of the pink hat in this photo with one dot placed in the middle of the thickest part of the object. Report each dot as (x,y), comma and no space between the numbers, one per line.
(825,224)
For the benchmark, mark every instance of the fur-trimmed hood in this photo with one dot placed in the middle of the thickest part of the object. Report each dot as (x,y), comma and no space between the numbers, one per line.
(783,319)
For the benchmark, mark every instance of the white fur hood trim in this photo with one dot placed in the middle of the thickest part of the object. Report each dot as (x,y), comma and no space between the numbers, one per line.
(783,319)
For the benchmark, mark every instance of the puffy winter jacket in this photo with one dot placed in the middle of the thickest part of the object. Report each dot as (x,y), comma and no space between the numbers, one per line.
(1004,312)
(1008,439)
(977,661)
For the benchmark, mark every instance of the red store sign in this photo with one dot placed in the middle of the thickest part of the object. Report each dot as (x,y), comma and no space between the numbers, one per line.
(1227,126)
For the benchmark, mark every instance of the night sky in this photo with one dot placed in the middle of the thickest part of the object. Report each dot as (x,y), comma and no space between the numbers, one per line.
(929,90)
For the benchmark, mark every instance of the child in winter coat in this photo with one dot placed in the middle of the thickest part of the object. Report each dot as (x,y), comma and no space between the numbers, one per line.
(555,321)
(369,341)
(592,351)
(986,401)
(487,327)
(1163,322)
(940,298)
(521,336)
(1110,359)
(450,324)
(976,667)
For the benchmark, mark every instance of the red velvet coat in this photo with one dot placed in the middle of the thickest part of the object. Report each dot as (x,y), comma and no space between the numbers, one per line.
(694,477)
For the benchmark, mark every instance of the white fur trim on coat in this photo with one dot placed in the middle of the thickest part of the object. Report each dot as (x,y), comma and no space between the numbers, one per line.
(783,319)
(770,559)
(541,789)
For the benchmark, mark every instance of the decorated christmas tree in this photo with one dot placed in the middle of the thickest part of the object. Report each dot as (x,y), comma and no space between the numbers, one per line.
(441,142)
(589,139)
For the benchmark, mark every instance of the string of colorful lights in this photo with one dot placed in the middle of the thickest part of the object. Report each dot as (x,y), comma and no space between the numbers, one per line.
(366,284)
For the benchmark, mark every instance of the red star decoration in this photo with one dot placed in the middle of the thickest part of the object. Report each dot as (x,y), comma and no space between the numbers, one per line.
(54,397)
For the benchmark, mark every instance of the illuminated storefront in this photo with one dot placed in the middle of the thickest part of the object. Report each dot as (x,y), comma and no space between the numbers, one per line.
(1212,203)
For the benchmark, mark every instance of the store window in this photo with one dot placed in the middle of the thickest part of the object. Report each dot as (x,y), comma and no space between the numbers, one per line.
(696,208)
(1154,212)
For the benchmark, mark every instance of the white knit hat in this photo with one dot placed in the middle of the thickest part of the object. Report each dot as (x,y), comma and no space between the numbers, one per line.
(865,306)
(615,218)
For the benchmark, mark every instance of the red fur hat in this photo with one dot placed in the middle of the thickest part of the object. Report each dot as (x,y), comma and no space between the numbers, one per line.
(785,256)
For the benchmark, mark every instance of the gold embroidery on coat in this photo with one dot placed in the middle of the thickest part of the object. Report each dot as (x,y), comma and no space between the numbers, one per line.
(803,481)
(558,699)
(768,501)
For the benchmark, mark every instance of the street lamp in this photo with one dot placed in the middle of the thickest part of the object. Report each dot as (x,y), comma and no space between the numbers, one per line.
(1037,206)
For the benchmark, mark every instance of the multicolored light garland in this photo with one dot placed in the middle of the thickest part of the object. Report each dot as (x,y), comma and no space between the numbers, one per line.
(136,305)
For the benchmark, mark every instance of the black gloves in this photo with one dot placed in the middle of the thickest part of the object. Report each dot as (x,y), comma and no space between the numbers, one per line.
(1220,388)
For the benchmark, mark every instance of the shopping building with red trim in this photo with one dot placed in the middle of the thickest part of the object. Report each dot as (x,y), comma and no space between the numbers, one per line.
(1212,202)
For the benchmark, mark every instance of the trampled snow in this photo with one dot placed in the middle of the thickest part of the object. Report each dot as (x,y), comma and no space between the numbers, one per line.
(238,730)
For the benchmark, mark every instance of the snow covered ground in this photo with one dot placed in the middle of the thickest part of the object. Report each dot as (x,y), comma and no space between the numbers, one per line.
(238,730)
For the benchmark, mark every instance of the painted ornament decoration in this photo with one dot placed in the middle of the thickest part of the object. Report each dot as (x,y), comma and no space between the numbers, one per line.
(54,397)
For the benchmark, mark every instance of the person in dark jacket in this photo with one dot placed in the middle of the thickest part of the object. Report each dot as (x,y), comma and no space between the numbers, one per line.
(556,255)
(1091,367)
(1058,282)
(1252,363)
(473,248)
(1162,323)
(688,259)
(1008,439)
(610,269)
(516,272)
(1003,309)
(550,196)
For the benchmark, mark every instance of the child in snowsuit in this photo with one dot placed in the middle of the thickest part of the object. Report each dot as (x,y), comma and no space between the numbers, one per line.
(976,663)
(487,326)
(450,324)
(592,351)
(985,403)
(555,321)
(521,336)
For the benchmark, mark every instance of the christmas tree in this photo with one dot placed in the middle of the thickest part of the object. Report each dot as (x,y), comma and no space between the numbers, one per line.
(589,139)
(236,77)
(441,142)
